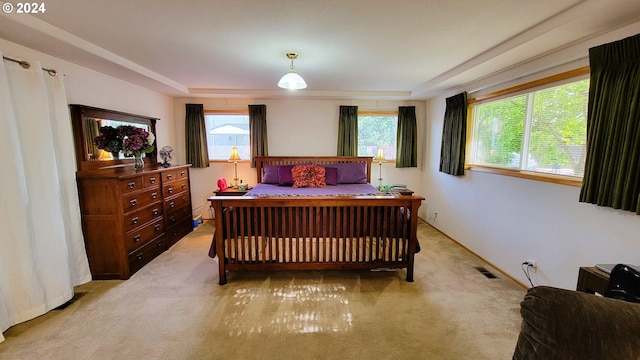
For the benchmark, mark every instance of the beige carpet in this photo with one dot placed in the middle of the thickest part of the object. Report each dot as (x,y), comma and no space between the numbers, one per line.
(174,309)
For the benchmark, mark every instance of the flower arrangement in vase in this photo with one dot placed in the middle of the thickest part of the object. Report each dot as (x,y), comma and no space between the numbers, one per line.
(131,140)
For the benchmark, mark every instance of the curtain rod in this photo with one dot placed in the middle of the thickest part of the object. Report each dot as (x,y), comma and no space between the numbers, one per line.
(26,65)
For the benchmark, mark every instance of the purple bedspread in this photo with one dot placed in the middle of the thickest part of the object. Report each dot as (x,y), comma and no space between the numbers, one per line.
(341,189)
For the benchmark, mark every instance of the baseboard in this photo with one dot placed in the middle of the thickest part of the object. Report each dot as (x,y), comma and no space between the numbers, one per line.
(480,257)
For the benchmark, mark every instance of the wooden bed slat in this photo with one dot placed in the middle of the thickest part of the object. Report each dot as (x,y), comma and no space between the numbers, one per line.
(322,232)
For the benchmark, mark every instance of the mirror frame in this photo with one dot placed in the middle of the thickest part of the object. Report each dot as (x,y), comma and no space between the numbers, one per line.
(80,112)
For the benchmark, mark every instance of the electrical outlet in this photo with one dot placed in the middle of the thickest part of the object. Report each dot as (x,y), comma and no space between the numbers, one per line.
(532,264)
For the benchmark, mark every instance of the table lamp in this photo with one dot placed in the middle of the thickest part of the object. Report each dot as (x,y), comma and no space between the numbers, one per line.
(235,157)
(379,158)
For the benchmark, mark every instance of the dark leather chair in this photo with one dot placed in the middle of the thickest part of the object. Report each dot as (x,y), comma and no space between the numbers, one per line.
(559,324)
(624,284)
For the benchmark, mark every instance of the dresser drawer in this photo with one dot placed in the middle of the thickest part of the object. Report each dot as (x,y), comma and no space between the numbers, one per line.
(151,180)
(142,256)
(130,184)
(175,187)
(176,202)
(137,218)
(173,175)
(136,201)
(169,175)
(180,230)
(133,240)
(182,174)
(177,215)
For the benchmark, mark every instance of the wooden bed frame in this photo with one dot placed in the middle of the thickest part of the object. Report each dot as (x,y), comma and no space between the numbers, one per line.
(314,232)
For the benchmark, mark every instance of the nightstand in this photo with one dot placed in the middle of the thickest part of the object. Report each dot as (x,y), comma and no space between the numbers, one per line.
(406,192)
(231,192)
(592,280)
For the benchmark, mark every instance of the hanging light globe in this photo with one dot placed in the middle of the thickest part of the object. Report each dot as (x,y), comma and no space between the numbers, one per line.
(292,80)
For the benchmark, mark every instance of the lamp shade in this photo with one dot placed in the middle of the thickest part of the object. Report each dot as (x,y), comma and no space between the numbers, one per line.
(379,155)
(234,154)
(105,155)
(292,81)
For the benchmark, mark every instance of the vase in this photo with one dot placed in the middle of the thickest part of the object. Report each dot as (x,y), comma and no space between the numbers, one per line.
(138,163)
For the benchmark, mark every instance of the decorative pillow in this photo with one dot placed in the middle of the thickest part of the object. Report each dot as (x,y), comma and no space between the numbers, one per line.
(308,176)
(270,174)
(331,175)
(351,173)
(284,175)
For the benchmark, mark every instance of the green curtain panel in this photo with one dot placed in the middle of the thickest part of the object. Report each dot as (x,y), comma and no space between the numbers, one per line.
(348,131)
(454,135)
(407,138)
(258,132)
(196,136)
(612,169)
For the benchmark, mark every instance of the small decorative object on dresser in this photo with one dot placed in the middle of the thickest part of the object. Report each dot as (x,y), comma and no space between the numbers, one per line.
(133,141)
(129,216)
(166,155)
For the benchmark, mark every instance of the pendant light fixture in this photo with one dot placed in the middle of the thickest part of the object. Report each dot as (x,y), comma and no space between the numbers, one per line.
(292,80)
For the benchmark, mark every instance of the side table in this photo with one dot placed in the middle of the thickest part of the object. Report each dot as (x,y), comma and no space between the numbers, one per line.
(231,192)
(406,192)
(592,280)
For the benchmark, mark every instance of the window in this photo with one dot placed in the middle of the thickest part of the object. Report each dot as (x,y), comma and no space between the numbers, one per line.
(226,130)
(540,131)
(377,129)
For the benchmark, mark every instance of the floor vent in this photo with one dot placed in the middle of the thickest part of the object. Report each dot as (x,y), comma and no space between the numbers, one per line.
(485,272)
(75,298)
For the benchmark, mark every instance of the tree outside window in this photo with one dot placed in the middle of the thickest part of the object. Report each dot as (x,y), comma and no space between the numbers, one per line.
(377,131)
(542,131)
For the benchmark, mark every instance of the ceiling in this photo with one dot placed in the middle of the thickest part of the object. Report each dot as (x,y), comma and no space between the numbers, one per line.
(374,49)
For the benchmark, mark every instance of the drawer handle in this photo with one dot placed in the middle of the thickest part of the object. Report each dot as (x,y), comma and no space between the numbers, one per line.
(154,196)
(155,212)
(131,185)
(182,173)
(159,244)
(169,176)
(137,238)
(185,199)
(139,257)
(134,220)
(157,227)
(184,186)
(172,204)
(133,202)
(173,219)
(170,190)
(152,180)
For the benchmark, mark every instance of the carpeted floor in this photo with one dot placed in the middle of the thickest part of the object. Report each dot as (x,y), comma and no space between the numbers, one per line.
(174,309)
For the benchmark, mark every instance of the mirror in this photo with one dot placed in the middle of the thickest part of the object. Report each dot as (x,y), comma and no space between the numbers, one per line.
(87,122)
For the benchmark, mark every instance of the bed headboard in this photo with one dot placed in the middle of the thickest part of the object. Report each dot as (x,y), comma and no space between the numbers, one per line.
(261,161)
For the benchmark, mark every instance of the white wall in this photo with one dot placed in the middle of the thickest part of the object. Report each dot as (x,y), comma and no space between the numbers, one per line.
(294,127)
(508,220)
(88,87)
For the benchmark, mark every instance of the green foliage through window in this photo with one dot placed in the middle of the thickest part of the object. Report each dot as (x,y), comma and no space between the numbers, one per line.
(542,131)
(377,131)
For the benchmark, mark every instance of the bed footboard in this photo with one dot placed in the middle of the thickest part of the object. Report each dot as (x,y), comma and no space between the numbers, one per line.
(313,233)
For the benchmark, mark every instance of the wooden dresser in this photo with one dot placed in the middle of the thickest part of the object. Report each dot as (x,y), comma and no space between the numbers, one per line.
(129,218)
